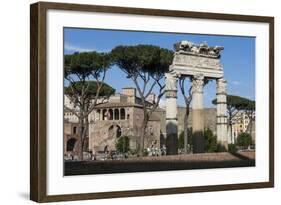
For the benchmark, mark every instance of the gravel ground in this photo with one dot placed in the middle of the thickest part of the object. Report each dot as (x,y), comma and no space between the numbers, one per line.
(164,163)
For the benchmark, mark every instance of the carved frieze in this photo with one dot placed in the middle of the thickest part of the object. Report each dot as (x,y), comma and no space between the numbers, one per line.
(196,61)
(198,49)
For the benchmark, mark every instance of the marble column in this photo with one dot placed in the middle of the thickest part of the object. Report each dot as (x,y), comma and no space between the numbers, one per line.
(222,135)
(171,114)
(198,113)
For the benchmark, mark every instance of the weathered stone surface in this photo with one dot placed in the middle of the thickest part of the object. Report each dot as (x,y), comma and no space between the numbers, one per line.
(221,114)
(104,133)
(197,61)
(200,62)
(209,119)
(171,113)
(198,113)
(202,49)
(191,59)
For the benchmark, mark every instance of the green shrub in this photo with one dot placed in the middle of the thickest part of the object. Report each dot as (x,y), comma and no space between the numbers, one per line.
(123,144)
(181,138)
(244,140)
(133,151)
(232,148)
(145,152)
(210,144)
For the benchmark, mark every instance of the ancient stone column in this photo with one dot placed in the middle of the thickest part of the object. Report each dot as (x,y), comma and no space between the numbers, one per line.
(222,134)
(198,114)
(171,114)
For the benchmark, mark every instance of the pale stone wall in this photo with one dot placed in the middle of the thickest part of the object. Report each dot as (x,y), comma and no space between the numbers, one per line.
(209,119)
(156,129)
(103,133)
(70,134)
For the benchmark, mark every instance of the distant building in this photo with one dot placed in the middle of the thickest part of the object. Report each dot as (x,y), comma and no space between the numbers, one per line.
(240,123)
(122,115)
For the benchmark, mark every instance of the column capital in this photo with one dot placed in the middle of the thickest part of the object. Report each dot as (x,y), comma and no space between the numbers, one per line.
(171,81)
(198,83)
(221,80)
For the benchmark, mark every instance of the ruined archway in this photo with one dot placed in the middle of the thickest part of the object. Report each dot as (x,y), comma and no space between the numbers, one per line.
(114,131)
(70,144)
(116,114)
(198,62)
(122,114)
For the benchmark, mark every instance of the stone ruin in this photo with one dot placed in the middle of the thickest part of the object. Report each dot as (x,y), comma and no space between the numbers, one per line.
(199,63)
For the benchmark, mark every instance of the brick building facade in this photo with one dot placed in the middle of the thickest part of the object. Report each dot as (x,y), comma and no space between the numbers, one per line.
(122,115)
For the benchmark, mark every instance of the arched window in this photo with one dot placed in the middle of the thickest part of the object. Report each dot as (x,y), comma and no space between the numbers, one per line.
(104,114)
(110,114)
(122,114)
(98,115)
(114,131)
(74,130)
(116,113)
(118,132)
(70,144)
(128,116)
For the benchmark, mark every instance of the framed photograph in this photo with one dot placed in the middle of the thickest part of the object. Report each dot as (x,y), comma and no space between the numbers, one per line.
(135,102)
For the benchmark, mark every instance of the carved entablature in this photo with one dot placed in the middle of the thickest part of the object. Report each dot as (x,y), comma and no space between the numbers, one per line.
(196,61)
(198,50)
(191,59)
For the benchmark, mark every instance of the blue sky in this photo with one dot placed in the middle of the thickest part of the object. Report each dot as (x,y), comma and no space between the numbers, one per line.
(237,58)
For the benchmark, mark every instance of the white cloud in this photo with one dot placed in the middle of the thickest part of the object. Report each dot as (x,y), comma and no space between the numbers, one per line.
(75,48)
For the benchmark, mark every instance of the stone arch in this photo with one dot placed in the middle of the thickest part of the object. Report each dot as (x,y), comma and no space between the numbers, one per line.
(114,131)
(104,114)
(122,114)
(74,130)
(111,131)
(70,144)
(116,114)
(110,114)
(98,114)
(118,131)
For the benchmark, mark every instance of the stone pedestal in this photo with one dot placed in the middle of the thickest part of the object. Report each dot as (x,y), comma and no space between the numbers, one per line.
(222,134)
(198,113)
(171,114)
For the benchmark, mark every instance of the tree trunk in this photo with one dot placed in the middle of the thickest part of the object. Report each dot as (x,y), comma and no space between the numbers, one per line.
(230,126)
(231,136)
(84,134)
(80,129)
(143,132)
(185,130)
